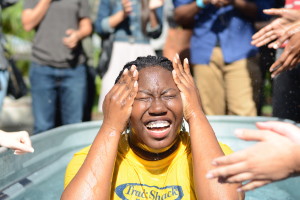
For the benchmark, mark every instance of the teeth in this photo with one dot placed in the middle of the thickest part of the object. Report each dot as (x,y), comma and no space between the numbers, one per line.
(158,124)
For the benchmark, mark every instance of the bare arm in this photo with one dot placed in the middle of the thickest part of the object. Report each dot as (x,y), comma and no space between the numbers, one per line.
(184,14)
(248,9)
(117,18)
(93,180)
(204,143)
(32,17)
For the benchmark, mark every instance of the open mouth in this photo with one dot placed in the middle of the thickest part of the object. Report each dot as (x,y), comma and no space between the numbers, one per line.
(158,129)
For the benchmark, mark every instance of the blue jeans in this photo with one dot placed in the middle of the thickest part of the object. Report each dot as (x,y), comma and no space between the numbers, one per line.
(54,90)
(3,85)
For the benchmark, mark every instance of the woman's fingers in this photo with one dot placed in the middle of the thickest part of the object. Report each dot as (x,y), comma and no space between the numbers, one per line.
(180,75)
(238,177)
(227,167)
(128,89)
(253,184)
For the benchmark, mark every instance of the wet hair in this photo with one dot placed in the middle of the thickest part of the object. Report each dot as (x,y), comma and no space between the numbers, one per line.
(149,61)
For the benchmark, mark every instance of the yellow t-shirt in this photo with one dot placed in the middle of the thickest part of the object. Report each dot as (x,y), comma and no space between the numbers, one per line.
(135,178)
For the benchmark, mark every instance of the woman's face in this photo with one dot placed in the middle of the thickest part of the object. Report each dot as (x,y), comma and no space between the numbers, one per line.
(157,110)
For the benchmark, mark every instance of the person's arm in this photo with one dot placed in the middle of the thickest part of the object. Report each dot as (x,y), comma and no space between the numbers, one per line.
(106,21)
(19,141)
(247,8)
(204,143)
(32,17)
(276,156)
(93,180)
(184,14)
(74,36)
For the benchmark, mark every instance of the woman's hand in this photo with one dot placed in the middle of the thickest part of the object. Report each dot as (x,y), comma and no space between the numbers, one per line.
(118,102)
(273,158)
(188,90)
(19,141)
(277,28)
(127,7)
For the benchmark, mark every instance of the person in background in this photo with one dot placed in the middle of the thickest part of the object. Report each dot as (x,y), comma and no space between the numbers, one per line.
(276,156)
(285,71)
(58,71)
(155,158)
(225,65)
(3,60)
(133,23)
(19,141)
(177,37)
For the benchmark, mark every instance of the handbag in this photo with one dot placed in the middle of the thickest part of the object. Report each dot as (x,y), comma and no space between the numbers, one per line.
(106,51)
(16,85)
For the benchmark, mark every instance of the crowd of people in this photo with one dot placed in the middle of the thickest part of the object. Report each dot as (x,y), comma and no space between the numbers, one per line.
(152,95)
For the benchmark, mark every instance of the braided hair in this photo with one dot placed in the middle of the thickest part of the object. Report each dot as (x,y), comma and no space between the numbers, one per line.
(148,61)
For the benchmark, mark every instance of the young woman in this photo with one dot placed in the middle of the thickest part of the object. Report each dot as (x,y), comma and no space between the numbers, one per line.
(155,159)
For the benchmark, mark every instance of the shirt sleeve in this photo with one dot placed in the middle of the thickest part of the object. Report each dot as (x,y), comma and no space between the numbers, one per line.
(75,164)
(226,149)
(28,4)
(84,9)
(181,2)
(264,4)
(105,10)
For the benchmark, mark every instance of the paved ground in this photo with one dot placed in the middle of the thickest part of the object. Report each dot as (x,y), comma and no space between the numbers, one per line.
(17,115)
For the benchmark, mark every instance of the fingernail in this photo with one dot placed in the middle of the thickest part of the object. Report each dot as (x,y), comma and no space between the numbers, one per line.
(177,55)
(125,71)
(209,176)
(132,67)
(175,60)
(186,60)
(239,190)
(238,132)
(135,73)
(275,46)
(214,163)
(31,150)
(135,84)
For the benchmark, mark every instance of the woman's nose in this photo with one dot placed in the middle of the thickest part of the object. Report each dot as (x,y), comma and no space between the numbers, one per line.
(157,107)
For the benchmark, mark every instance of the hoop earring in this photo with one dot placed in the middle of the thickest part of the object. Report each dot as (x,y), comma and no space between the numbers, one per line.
(127,130)
(183,129)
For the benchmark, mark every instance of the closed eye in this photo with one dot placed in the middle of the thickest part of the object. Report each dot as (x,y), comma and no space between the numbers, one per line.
(168,97)
(146,99)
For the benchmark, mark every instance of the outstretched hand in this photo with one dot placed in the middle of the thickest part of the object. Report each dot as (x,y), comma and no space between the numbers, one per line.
(19,141)
(277,28)
(188,90)
(118,102)
(272,158)
(289,58)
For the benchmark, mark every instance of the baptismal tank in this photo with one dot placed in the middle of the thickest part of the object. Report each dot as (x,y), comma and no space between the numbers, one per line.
(39,176)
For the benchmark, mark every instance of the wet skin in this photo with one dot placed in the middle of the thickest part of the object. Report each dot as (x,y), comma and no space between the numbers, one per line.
(158,99)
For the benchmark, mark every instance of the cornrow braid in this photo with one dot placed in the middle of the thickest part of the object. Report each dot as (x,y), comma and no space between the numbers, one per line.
(148,61)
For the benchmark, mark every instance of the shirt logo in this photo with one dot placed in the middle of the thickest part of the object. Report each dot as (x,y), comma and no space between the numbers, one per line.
(138,191)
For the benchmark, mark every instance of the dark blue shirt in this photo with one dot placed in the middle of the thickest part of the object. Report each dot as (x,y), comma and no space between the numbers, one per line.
(226,27)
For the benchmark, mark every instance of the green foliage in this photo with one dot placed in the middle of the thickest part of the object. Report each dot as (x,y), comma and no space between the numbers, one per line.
(11,21)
